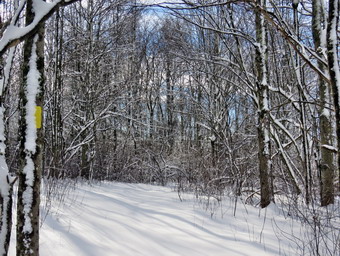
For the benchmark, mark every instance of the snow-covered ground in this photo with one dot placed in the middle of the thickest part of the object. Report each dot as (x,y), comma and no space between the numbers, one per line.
(119,219)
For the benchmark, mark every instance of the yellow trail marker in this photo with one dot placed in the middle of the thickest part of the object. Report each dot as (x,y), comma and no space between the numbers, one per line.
(38,117)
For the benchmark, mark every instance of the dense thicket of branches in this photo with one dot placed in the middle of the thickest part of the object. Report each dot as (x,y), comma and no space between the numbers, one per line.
(176,96)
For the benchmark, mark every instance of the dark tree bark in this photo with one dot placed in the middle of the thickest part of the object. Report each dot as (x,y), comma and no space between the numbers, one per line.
(334,73)
(6,183)
(31,141)
(326,164)
(261,60)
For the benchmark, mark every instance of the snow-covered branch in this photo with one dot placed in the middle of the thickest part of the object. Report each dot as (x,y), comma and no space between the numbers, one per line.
(15,34)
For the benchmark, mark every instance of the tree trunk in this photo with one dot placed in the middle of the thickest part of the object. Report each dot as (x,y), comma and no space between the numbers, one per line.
(263,106)
(169,105)
(57,141)
(6,185)
(303,112)
(334,73)
(31,141)
(326,163)
(6,192)
(5,196)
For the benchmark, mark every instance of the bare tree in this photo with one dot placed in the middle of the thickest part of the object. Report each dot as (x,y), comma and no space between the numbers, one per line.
(6,181)
(263,105)
(326,131)
(31,140)
(334,73)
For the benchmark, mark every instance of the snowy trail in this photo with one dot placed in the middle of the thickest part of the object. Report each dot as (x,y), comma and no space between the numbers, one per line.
(135,219)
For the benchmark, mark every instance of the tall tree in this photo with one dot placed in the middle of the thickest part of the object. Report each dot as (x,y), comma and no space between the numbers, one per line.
(326,164)
(54,98)
(334,71)
(303,111)
(6,182)
(31,140)
(11,33)
(261,60)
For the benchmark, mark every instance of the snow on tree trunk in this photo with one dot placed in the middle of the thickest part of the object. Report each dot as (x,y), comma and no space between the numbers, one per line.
(263,106)
(31,142)
(334,74)
(326,132)
(5,193)
(6,185)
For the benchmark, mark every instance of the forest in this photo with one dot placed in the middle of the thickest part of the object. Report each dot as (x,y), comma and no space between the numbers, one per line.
(219,98)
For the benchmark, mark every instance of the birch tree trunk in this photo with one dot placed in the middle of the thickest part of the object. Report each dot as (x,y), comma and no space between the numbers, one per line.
(261,59)
(31,141)
(326,163)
